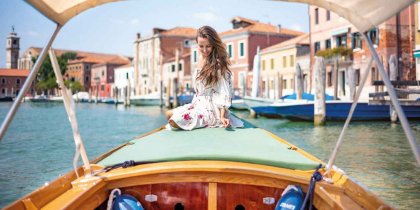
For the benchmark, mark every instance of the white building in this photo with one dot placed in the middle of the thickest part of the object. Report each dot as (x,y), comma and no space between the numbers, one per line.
(124,76)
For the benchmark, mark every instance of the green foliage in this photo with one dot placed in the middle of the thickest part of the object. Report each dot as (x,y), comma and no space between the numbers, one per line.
(335,52)
(74,86)
(45,79)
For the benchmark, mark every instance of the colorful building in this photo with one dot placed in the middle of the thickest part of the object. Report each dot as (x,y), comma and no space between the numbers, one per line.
(153,50)
(393,37)
(102,75)
(242,42)
(81,68)
(278,67)
(11,82)
(177,69)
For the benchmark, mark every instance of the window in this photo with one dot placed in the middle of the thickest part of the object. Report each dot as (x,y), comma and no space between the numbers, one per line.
(292,60)
(341,40)
(316,16)
(3,91)
(328,44)
(292,83)
(87,79)
(102,87)
(195,56)
(180,67)
(373,76)
(272,63)
(356,41)
(328,15)
(173,68)
(17,81)
(284,62)
(230,50)
(374,37)
(329,79)
(241,49)
(317,46)
(3,81)
(103,73)
(14,41)
(284,84)
(357,76)
(263,65)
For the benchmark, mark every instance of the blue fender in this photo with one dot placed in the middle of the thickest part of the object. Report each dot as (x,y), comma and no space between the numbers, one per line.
(291,199)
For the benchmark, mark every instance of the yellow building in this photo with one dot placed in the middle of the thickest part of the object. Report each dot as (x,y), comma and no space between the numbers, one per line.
(278,67)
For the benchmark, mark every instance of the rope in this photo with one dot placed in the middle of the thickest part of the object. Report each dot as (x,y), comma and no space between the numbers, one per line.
(111,198)
(316,176)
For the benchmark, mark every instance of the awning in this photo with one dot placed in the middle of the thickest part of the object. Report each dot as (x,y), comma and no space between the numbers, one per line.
(61,11)
(416,53)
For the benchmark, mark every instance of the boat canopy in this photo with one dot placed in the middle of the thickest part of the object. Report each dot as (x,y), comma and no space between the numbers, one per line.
(61,11)
(361,13)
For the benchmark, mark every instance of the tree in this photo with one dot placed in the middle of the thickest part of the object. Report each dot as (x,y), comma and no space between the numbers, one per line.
(45,79)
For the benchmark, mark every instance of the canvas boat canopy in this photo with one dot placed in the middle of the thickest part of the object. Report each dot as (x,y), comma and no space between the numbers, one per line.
(362,14)
(61,11)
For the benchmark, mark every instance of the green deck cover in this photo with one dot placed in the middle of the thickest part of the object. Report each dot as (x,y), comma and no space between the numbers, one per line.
(249,145)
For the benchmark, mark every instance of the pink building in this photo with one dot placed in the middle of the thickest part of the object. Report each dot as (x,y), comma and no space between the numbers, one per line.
(242,42)
(393,37)
(102,75)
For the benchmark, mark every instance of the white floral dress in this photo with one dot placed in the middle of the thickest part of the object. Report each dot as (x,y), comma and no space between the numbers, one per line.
(204,110)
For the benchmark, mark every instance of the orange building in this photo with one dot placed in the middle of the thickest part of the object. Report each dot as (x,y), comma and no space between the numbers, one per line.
(11,82)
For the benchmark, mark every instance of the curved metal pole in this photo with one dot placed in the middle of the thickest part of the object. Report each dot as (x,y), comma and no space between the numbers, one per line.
(346,125)
(401,115)
(27,84)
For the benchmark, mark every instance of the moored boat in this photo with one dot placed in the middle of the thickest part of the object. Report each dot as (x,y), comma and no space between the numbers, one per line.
(335,111)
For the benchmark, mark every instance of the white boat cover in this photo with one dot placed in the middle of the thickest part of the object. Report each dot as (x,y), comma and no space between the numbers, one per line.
(61,11)
(363,14)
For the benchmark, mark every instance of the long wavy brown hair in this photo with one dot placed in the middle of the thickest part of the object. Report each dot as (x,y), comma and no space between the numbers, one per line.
(217,62)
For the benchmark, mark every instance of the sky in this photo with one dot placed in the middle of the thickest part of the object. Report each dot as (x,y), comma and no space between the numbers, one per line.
(112,28)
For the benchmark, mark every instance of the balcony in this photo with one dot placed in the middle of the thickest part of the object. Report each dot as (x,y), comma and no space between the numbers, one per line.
(344,55)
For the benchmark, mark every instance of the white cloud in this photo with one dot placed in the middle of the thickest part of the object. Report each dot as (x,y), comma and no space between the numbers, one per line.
(206,16)
(33,34)
(297,27)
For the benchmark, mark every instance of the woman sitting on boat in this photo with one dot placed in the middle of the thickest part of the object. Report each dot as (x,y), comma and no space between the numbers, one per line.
(213,86)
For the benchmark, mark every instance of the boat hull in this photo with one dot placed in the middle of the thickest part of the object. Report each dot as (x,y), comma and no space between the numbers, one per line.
(196,184)
(334,111)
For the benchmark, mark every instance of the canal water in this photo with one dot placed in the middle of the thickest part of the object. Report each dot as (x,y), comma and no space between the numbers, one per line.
(39,146)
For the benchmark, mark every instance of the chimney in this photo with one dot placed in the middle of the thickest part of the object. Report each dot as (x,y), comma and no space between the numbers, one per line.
(278,28)
(138,35)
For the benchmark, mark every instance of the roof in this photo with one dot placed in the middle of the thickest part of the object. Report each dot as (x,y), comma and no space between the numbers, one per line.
(300,40)
(14,72)
(185,55)
(362,14)
(83,56)
(249,145)
(256,26)
(180,31)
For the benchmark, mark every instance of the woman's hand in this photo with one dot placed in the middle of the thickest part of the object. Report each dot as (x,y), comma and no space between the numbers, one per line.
(225,121)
